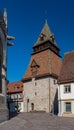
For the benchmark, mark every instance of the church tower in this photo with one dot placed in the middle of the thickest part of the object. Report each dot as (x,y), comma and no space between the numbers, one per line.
(40,79)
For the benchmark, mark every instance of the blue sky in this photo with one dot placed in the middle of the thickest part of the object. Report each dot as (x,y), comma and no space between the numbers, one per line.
(26,19)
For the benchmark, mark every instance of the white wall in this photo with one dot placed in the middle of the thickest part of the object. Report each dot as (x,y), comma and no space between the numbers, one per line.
(65,97)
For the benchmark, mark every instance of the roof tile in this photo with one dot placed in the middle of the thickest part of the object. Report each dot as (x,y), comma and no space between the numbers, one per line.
(67,70)
(15,87)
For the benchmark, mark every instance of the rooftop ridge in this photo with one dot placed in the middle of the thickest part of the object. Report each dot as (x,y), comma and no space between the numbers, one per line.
(69,52)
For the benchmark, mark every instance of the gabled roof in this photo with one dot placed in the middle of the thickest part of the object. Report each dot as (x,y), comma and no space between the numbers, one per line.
(45,35)
(15,87)
(67,70)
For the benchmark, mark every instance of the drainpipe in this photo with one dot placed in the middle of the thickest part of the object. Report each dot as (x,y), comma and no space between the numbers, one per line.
(59,101)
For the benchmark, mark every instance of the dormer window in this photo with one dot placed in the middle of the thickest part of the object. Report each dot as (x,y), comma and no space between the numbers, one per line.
(15,87)
(34,67)
(42,36)
(34,70)
(52,37)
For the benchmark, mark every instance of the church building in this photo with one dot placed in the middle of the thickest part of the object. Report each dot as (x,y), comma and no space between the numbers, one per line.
(3,69)
(40,79)
(3,65)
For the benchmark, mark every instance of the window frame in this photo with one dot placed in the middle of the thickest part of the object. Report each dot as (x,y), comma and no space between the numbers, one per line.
(67,107)
(67,88)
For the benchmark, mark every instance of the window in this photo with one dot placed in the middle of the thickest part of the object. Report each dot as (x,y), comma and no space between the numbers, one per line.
(67,89)
(35,83)
(16,87)
(16,96)
(19,96)
(35,93)
(12,96)
(54,81)
(68,106)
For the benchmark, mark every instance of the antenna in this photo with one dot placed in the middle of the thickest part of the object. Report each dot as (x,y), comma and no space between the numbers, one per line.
(45,16)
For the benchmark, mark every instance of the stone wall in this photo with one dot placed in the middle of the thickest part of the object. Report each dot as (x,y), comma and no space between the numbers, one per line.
(3,102)
(41,93)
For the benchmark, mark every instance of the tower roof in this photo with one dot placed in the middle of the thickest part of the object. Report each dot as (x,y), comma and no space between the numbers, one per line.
(43,64)
(45,35)
(45,60)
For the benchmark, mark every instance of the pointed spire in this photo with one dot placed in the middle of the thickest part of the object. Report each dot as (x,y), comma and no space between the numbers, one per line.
(46,30)
(8,37)
(45,34)
(5,17)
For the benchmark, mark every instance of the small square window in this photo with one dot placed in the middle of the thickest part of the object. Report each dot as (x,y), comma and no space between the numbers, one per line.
(54,81)
(35,83)
(35,93)
(67,89)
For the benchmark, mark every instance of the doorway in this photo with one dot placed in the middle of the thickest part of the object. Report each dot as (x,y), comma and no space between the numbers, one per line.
(32,106)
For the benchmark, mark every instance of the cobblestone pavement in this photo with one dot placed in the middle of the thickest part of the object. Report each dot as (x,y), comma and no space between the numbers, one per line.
(38,121)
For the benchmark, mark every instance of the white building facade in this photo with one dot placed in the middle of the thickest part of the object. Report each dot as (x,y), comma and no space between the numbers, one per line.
(66,86)
(66,99)
(15,96)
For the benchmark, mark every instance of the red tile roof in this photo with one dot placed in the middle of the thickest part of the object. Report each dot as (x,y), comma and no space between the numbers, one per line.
(15,87)
(48,62)
(67,70)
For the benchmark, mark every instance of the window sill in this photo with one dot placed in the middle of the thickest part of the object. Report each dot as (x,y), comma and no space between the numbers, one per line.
(67,113)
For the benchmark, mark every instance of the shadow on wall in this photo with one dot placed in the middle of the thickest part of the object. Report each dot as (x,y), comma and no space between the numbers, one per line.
(54,109)
(12,114)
